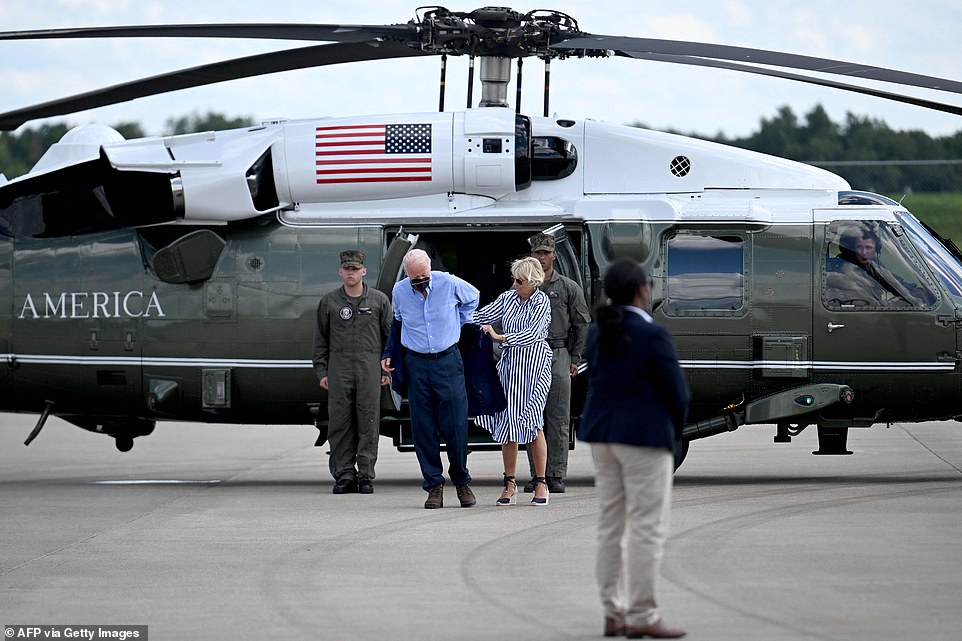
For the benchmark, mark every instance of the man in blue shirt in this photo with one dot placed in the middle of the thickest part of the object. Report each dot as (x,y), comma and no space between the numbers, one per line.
(432,306)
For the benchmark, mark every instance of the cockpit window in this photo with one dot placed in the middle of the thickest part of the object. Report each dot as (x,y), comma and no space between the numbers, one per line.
(554,158)
(943,263)
(868,265)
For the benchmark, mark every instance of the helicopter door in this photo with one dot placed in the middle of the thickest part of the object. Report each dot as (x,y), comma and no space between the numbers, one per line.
(566,261)
(391,264)
(877,309)
(706,295)
(78,306)
(388,275)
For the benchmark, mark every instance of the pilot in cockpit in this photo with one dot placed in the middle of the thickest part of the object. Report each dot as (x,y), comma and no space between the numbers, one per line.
(856,277)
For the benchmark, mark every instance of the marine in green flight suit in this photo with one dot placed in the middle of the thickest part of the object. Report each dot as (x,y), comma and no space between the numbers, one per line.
(353,322)
(566,337)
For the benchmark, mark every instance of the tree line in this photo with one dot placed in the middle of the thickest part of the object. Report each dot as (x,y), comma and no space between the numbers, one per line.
(865,151)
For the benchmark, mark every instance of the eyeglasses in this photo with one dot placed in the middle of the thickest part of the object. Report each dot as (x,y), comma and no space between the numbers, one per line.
(519,281)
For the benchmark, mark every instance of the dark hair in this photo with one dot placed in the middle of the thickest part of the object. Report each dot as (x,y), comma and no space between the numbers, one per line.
(622,281)
(869,234)
(849,239)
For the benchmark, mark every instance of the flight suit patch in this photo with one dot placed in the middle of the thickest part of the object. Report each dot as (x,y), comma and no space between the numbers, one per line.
(346,312)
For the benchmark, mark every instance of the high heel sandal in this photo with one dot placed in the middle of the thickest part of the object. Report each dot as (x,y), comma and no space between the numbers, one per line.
(509,500)
(539,501)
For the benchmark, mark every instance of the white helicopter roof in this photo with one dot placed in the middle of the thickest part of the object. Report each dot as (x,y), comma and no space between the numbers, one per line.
(622,173)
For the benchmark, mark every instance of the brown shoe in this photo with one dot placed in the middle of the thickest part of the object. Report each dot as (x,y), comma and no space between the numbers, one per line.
(657,630)
(435,498)
(614,627)
(465,495)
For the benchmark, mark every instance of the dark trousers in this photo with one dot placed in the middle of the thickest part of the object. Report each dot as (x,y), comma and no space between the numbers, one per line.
(354,413)
(439,408)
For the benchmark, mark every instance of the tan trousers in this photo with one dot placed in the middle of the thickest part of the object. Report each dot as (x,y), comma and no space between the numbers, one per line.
(634,491)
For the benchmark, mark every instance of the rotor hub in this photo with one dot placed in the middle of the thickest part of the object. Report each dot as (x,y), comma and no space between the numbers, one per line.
(500,32)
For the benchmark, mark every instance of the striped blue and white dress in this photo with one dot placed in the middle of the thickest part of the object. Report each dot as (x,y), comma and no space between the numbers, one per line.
(525,365)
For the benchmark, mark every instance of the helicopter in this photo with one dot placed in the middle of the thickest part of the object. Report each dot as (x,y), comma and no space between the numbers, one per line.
(175,278)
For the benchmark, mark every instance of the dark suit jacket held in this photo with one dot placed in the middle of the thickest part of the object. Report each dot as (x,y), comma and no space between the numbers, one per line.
(481,381)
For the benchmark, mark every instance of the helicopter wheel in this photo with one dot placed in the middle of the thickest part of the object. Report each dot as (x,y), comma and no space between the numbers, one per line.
(681,454)
(124,443)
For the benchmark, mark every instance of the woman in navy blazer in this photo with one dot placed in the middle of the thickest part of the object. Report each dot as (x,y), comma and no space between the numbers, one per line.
(633,418)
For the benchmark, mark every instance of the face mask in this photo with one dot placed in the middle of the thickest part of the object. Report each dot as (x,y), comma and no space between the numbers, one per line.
(420,284)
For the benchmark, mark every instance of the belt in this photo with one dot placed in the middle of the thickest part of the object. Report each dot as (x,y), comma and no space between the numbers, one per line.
(433,357)
(555,343)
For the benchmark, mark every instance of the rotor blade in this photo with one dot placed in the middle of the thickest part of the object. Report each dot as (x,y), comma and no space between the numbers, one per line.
(287,60)
(758,56)
(274,31)
(721,64)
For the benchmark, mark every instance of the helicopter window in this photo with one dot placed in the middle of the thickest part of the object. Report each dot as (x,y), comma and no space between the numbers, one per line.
(705,273)
(522,152)
(869,266)
(189,259)
(943,263)
(554,158)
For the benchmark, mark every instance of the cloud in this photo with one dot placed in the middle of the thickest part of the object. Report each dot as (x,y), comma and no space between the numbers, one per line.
(682,27)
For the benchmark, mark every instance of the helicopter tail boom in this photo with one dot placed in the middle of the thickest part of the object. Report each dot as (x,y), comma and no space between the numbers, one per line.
(219,177)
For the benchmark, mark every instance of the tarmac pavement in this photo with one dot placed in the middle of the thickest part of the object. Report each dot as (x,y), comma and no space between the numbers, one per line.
(231,532)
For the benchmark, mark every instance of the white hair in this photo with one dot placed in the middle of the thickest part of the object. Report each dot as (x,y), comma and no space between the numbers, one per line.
(415,257)
(528,269)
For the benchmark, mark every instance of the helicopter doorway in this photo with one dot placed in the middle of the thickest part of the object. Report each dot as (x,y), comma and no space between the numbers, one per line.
(484,257)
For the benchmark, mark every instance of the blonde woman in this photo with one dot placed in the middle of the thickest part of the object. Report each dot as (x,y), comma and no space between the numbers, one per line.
(524,312)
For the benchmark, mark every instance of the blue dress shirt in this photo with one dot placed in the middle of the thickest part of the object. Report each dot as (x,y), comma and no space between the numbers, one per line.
(432,324)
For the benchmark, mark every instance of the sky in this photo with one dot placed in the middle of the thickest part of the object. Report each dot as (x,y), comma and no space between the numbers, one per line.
(920,37)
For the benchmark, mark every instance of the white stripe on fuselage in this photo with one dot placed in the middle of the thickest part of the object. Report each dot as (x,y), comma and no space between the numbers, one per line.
(261,363)
(57,359)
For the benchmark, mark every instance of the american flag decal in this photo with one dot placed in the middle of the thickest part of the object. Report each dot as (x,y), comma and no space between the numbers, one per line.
(373,153)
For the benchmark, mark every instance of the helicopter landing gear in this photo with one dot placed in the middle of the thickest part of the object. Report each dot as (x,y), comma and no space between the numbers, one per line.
(832,440)
(321,432)
(125,433)
(123,429)
(124,443)
(785,431)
